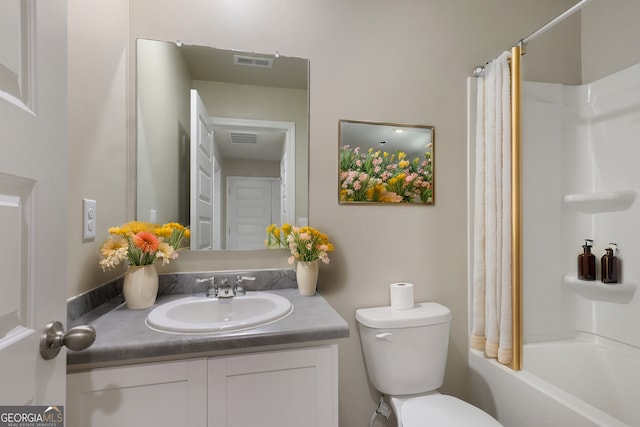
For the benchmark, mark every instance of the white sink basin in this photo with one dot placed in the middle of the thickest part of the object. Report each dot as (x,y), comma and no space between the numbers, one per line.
(207,315)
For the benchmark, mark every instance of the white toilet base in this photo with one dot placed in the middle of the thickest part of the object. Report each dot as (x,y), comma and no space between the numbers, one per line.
(438,410)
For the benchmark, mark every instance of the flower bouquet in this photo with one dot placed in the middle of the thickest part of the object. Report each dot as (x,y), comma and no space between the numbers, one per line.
(307,246)
(305,243)
(141,244)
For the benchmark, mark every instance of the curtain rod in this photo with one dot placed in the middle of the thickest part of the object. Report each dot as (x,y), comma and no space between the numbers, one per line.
(477,71)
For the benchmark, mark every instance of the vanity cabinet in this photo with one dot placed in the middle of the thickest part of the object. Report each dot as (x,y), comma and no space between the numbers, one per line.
(292,387)
(163,394)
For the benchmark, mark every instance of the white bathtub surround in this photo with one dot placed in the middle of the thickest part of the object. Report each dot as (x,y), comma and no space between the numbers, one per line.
(598,388)
(580,180)
(492,215)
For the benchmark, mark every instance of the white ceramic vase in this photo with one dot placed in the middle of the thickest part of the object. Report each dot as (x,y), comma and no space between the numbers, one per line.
(140,286)
(307,277)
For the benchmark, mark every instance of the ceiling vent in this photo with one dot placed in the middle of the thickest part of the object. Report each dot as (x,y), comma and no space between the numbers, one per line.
(253,61)
(243,138)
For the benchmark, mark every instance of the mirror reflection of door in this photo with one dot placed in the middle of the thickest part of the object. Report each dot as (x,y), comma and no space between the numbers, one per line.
(252,204)
(254,158)
(202,176)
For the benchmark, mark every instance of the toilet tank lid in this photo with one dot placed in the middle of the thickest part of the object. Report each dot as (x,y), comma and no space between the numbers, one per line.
(422,314)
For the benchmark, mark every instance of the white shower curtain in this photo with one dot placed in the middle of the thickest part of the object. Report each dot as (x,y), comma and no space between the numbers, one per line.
(492,327)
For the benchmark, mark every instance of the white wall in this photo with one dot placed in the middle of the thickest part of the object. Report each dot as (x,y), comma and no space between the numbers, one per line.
(163,127)
(98,124)
(612,111)
(404,61)
(610,38)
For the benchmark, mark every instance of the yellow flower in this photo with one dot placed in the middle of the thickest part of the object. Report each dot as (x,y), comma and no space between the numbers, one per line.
(166,253)
(111,245)
(163,231)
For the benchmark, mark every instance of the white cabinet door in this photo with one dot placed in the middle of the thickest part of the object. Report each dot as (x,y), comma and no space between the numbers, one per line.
(275,389)
(155,394)
(288,388)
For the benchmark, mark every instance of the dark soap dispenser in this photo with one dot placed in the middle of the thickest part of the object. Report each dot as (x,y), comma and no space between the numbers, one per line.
(587,262)
(609,265)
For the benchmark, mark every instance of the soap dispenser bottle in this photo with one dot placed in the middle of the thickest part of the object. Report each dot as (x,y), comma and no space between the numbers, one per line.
(609,265)
(587,262)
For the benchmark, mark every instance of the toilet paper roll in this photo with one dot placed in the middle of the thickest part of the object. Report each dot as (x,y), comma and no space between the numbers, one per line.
(401,296)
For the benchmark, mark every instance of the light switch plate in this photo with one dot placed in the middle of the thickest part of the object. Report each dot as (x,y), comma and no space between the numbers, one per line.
(88,219)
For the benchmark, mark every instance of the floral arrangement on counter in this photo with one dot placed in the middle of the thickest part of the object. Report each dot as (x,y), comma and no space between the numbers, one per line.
(142,243)
(305,243)
(377,176)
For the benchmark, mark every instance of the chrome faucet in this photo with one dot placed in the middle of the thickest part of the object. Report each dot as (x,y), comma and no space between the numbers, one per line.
(223,288)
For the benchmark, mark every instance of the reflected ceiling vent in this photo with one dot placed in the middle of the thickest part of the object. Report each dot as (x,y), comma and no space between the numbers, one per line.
(253,61)
(243,138)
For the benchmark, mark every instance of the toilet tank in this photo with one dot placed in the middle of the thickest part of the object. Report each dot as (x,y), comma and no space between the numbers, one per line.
(405,351)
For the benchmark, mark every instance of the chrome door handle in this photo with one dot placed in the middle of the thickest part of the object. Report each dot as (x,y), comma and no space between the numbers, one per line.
(54,337)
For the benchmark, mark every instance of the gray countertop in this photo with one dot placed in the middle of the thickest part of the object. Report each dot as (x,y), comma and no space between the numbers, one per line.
(122,335)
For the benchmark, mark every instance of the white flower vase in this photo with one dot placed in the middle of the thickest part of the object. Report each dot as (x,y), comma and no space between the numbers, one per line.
(307,277)
(140,286)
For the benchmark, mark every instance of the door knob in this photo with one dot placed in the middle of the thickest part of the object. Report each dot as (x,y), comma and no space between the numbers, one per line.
(54,337)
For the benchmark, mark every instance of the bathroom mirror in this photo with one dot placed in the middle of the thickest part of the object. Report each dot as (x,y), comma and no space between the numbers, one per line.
(255,113)
(385,163)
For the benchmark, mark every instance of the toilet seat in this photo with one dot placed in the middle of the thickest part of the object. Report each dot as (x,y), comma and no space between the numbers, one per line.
(439,410)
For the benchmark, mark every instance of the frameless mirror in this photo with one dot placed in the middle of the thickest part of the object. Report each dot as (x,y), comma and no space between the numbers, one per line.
(222,141)
(385,163)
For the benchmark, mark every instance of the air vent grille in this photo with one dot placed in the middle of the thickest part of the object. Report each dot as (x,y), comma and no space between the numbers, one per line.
(243,138)
(253,61)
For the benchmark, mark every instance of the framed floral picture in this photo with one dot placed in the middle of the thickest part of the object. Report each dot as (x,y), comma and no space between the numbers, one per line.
(385,163)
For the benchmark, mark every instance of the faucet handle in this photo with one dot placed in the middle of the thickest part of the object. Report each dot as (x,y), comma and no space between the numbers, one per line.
(212,288)
(238,288)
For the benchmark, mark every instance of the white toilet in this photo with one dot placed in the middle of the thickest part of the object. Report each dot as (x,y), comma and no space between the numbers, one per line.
(405,352)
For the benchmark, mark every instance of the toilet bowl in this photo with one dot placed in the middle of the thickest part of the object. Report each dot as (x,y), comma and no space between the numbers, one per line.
(439,410)
(405,353)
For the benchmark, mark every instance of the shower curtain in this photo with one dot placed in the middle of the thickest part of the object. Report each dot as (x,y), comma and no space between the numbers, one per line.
(492,323)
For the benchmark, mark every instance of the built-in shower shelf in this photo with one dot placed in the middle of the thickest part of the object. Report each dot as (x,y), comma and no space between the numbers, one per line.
(608,201)
(596,290)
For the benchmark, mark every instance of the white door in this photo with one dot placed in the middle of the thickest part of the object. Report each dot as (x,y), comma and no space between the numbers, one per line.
(33,197)
(202,176)
(217,205)
(252,204)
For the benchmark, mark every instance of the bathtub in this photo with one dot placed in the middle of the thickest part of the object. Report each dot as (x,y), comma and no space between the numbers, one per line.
(588,381)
